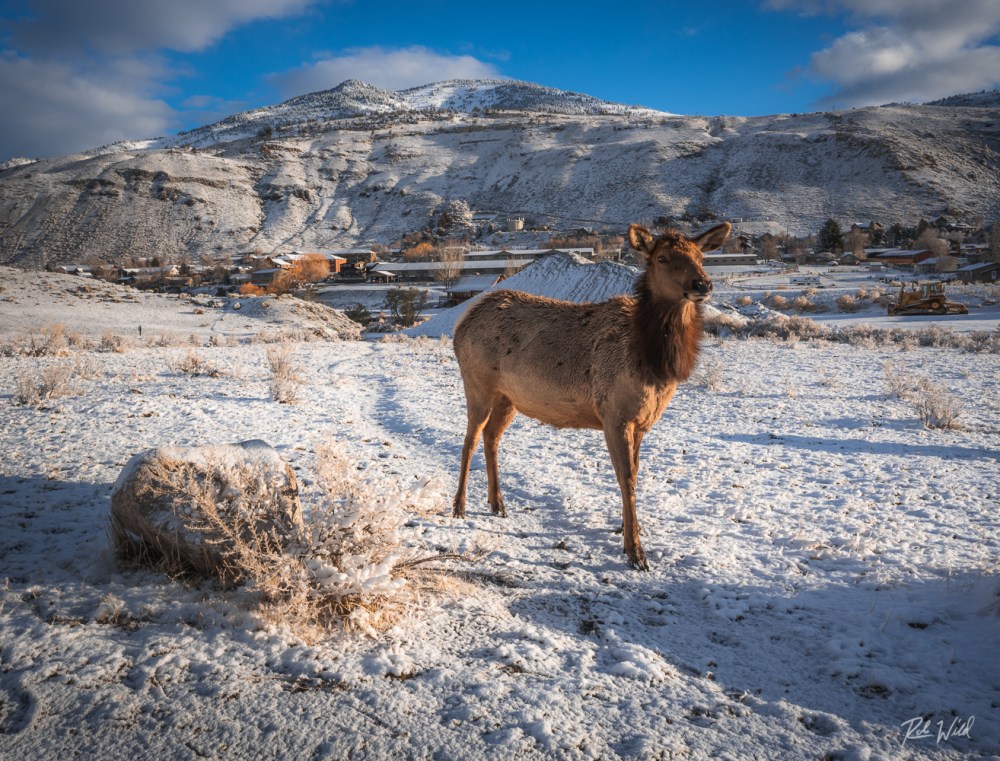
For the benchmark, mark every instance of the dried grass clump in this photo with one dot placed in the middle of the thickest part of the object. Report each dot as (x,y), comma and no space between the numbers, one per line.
(723,323)
(744,300)
(848,303)
(352,563)
(185,510)
(897,379)
(110,342)
(934,404)
(194,364)
(286,378)
(709,373)
(348,564)
(50,382)
(803,304)
(777,302)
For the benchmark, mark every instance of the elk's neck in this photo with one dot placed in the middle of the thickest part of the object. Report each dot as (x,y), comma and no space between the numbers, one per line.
(669,334)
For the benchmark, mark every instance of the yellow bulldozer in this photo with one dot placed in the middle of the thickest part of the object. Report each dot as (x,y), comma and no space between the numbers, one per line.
(925,298)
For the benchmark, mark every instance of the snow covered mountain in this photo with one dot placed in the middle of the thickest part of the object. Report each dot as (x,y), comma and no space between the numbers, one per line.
(360,165)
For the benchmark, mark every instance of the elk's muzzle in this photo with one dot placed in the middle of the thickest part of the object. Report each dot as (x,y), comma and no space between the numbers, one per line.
(701,287)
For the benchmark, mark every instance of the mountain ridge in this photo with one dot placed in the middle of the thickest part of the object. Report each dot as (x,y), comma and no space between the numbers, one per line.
(360,165)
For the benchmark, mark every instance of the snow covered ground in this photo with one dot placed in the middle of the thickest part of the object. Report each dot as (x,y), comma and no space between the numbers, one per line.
(825,578)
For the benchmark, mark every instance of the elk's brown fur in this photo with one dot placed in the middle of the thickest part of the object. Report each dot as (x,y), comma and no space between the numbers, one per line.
(612,365)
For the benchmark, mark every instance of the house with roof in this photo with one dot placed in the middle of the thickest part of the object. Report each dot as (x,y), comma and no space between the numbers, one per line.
(471,285)
(983,272)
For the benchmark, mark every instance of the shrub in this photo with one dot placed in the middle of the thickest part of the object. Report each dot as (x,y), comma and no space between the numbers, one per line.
(194,364)
(897,381)
(348,565)
(709,374)
(360,314)
(935,405)
(406,304)
(56,341)
(52,381)
(285,376)
(111,342)
(744,301)
(778,302)
(847,303)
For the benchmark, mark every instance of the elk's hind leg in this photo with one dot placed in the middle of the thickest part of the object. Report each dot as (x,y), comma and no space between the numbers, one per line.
(500,417)
(478,413)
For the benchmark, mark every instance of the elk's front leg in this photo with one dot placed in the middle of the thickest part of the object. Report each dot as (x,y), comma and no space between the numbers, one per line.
(621,442)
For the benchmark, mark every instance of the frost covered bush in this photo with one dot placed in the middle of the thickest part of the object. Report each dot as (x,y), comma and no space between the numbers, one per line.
(778,302)
(897,380)
(194,364)
(936,406)
(848,303)
(285,376)
(352,564)
(112,343)
(50,382)
(709,374)
(346,563)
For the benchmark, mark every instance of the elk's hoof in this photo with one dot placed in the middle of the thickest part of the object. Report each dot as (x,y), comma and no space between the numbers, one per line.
(638,561)
(458,511)
(499,509)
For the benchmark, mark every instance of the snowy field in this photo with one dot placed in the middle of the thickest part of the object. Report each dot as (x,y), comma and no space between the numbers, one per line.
(825,579)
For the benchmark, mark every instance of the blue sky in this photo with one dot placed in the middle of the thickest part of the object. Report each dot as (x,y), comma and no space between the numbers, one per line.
(80,73)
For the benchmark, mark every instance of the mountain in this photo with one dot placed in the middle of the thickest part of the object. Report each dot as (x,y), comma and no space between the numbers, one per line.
(359,165)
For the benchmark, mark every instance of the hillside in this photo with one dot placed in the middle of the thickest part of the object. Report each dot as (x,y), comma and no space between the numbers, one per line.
(360,165)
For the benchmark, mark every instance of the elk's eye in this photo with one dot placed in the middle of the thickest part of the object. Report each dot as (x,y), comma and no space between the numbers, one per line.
(661,259)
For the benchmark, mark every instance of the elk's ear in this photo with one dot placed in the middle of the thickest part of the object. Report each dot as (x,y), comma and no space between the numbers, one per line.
(713,238)
(640,239)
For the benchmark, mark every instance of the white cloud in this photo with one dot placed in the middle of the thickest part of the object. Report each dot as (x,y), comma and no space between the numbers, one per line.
(76,75)
(906,51)
(123,27)
(62,109)
(392,69)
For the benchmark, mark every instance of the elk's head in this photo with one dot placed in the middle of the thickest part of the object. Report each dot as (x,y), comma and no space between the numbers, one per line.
(673,261)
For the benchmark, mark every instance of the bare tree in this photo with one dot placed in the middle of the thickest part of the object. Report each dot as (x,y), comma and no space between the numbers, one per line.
(931,240)
(768,249)
(857,240)
(450,260)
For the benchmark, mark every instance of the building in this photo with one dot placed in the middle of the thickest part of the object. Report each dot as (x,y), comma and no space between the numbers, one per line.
(938,264)
(984,272)
(899,257)
(264,277)
(497,261)
(471,285)
(284,261)
(527,253)
(728,260)
(424,271)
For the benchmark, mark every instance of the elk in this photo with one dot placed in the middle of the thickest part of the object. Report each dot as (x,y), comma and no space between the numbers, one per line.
(612,365)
